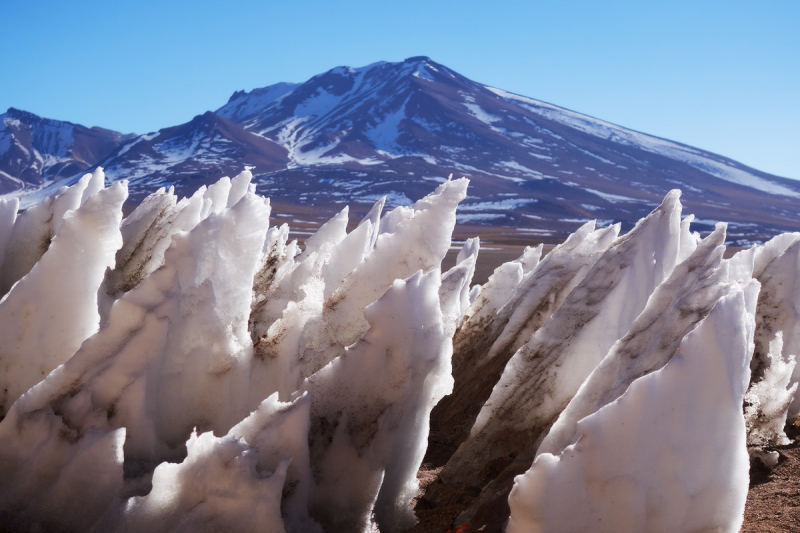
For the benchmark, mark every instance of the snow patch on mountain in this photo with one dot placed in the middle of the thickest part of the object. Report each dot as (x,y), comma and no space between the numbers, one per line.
(384,135)
(613,198)
(507,203)
(476,111)
(513,165)
(422,72)
(477,217)
(393,199)
(243,105)
(126,147)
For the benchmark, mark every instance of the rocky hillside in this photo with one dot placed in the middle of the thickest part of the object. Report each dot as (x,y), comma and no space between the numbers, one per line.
(355,134)
(36,152)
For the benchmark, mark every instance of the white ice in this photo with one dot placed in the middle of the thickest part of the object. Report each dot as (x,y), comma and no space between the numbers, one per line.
(668,455)
(53,308)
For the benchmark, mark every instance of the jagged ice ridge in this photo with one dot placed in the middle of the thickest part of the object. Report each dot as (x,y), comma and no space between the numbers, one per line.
(188,368)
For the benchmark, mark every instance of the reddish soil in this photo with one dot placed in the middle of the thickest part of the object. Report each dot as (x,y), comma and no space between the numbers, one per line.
(773,503)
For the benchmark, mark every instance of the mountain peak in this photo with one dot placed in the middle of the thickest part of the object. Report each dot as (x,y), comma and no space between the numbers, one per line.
(390,128)
(418,59)
(21,114)
(242,105)
(236,95)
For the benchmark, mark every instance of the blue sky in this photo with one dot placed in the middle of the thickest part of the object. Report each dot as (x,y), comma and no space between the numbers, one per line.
(719,75)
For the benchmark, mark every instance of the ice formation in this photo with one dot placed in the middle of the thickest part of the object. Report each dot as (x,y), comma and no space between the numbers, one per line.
(34,229)
(673,310)
(314,309)
(189,368)
(8,215)
(541,378)
(777,267)
(517,299)
(53,308)
(175,353)
(216,488)
(255,478)
(146,235)
(767,405)
(668,454)
(455,289)
(365,456)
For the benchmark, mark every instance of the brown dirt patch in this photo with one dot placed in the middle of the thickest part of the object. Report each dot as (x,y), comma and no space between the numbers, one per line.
(773,502)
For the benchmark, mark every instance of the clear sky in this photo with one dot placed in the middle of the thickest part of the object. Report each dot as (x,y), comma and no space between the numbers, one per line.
(720,75)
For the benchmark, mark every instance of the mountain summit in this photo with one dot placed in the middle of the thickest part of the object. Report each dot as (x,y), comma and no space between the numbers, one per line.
(355,134)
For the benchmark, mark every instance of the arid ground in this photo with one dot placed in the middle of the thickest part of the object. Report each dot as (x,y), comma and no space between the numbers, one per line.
(773,503)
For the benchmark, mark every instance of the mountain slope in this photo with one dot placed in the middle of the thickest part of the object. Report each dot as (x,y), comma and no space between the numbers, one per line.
(198,152)
(388,127)
(355,134)
(244,105)
(36,151)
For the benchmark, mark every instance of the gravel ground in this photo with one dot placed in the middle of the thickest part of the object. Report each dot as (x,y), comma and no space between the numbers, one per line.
(773,503)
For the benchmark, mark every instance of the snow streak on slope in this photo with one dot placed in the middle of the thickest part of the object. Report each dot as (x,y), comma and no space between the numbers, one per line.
(606,130)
